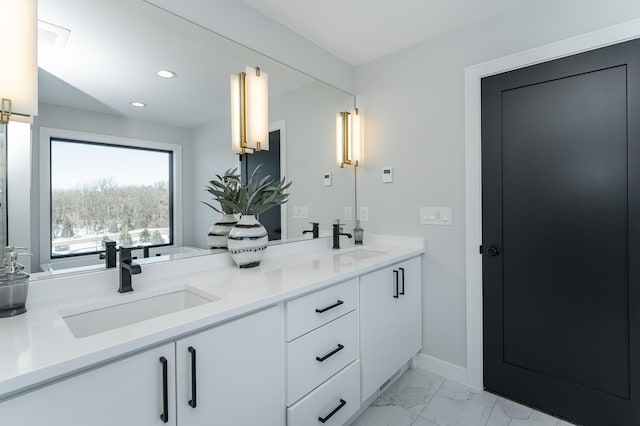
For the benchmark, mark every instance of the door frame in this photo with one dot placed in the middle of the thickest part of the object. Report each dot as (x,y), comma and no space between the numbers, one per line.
(473,172)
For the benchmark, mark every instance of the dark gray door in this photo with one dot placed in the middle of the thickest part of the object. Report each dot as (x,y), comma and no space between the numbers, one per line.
(561,235)
(270,161)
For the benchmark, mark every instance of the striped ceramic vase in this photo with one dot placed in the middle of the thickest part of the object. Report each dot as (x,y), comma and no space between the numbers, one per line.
(219,231)
(247,241)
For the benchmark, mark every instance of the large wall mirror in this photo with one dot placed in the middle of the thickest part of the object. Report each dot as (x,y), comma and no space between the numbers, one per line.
(108,58)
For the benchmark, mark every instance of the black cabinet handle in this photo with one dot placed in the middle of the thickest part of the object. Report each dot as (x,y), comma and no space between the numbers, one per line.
(330,354)
(395,283)
(192,402)
(165,396)
(335,410)
(335,305)
(492,250)
(402,291)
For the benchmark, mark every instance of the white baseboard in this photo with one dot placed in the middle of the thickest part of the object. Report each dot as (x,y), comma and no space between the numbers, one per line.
(441,368)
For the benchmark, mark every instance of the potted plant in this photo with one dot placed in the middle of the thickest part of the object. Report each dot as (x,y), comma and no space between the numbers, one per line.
(225,190)
(247,239)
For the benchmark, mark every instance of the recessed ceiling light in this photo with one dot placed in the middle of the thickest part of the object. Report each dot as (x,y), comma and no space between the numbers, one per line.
(52,35)
(138,104)
(166,74)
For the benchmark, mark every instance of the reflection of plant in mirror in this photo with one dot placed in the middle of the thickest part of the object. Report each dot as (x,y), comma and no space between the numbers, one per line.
(259,195)
(226,191)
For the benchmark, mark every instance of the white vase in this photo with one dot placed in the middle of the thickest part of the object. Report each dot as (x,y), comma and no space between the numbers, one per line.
(247,241)
(219,231)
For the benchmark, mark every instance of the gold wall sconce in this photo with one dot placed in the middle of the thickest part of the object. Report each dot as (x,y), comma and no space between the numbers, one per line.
(19,52)
(348,138)
(250,111)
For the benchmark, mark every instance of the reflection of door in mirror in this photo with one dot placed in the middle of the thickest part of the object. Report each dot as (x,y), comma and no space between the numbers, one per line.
(270,161)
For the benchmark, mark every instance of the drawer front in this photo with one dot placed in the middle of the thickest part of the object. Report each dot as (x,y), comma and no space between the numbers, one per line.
(316,356)
(328,399)
(310,312)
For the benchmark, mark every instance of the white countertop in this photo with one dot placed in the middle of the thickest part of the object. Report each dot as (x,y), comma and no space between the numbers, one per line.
(37,347)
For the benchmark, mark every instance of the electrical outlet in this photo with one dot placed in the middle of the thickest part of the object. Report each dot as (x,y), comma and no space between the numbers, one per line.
(435,216)
(348,213)
(301,212)
(364,214)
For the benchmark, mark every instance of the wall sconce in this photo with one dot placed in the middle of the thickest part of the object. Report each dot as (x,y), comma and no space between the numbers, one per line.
(19,51)
(249,111)
(348,138)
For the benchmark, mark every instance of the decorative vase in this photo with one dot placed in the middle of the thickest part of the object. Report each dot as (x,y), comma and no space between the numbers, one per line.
(219,231)
(247,241)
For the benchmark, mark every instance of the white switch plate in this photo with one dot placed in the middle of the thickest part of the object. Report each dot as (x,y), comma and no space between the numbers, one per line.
(326,179)
(364,214)
(348,213)
(301,212)
(435,215)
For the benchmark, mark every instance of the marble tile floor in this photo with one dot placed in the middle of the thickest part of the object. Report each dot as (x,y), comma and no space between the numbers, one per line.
(421,398)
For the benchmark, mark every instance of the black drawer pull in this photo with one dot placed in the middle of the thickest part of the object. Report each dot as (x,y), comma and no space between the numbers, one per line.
(335,410)
(395,283)
(193,402)
(335,305)
(165,396)
(330,354)
(402,291)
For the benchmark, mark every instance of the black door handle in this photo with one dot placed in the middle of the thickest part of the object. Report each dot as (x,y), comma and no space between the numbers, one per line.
(335,410)
(395,283)
(193,402)
(492,250)
(165,396)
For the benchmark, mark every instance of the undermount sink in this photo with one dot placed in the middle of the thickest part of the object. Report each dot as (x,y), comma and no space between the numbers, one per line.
(360,254)
(83,323)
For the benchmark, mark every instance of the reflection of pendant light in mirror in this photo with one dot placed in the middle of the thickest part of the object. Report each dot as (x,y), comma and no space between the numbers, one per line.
(249,111)
(19,69)
(348,138)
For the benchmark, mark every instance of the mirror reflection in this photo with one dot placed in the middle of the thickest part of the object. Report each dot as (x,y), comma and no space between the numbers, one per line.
(97,59)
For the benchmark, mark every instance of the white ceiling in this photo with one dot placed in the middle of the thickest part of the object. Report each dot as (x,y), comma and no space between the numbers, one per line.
(359,31)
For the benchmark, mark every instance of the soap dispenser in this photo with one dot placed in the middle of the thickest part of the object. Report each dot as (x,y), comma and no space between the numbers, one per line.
(14,284)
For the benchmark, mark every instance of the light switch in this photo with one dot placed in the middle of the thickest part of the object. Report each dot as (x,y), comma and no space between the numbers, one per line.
(364,214)
(435,215)
(326,179)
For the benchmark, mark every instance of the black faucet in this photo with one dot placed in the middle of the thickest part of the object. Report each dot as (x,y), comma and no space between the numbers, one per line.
(315,230)
(336,234)
(109,254)
(127,268)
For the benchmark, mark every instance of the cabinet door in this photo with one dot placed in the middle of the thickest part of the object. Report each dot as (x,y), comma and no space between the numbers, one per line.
(125,392)
(390,321)
(238,373)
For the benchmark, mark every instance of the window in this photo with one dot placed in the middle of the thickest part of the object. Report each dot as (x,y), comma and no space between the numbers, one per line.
(101,191)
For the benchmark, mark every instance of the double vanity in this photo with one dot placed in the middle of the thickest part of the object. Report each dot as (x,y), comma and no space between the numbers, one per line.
(308,337)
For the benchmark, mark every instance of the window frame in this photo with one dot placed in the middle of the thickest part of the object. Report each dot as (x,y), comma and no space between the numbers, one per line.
(48,134)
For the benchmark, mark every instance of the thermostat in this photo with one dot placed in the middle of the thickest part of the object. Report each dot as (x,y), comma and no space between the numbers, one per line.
(387,174)
(326,177)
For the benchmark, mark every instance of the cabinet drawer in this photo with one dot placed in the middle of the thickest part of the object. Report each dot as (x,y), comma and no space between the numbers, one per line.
(332,302)
(316,356)
(327,399)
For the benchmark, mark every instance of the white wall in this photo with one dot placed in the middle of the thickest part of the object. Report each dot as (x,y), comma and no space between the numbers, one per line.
(413,103)
(92,122)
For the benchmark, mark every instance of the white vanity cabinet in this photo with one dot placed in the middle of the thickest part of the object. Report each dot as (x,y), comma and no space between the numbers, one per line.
(323,377)
(390,321)
(130,391)
(232,374)
(238,372)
